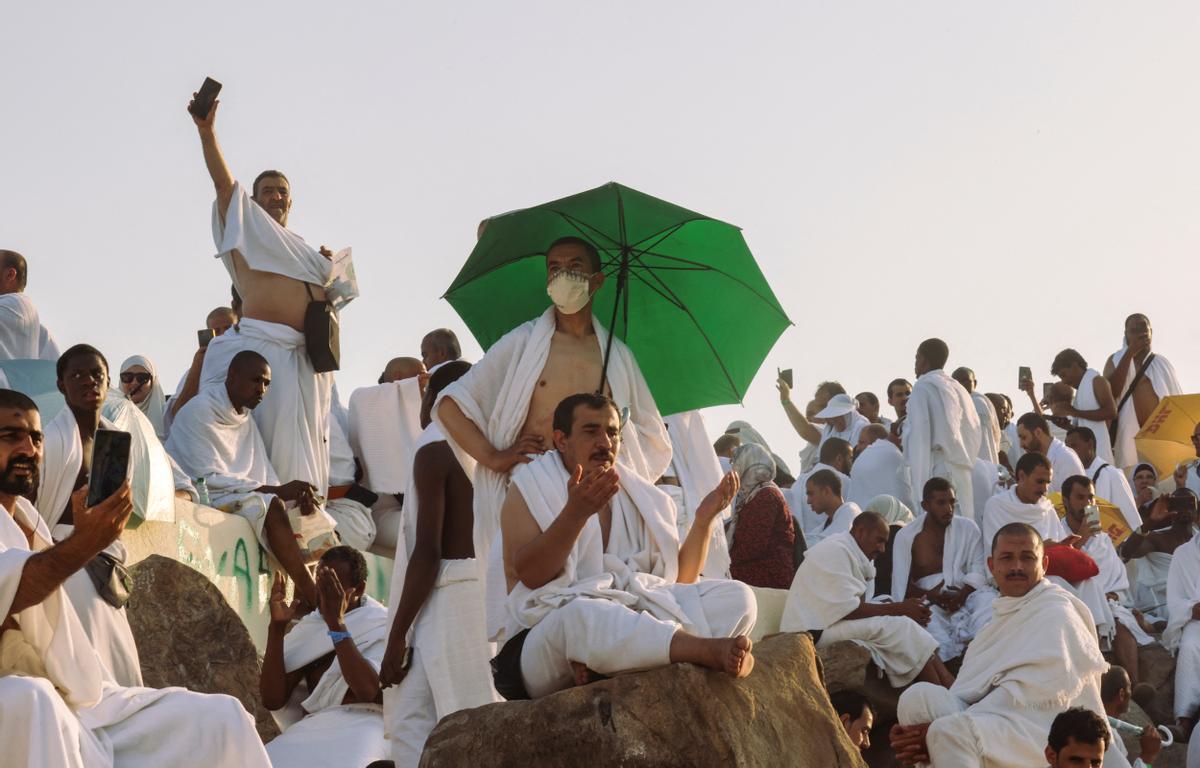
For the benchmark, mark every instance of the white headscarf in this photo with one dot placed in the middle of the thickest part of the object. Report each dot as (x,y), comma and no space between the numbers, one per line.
(891,509)
(155,403)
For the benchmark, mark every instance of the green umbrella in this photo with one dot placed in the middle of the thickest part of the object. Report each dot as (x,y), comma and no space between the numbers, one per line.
(682,290)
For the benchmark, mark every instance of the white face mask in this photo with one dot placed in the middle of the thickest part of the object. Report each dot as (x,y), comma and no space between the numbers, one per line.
(569,291)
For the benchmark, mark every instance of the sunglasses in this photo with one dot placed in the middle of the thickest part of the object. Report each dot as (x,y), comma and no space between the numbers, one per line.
(129,377)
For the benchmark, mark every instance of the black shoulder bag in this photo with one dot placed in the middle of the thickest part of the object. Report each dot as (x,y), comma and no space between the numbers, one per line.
(1137,378)
(321,334)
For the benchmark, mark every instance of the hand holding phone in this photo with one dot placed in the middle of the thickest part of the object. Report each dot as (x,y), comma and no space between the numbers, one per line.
(110,464)
(786,376)
(1024,376)
(203,99)
(204,336)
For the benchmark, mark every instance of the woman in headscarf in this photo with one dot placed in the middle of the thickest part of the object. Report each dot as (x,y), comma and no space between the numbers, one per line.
(748,434)
(897,516)
(1145,490)
(139,382)
(761,533)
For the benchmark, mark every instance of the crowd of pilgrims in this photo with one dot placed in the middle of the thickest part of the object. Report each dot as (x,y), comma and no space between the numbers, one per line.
(546,535)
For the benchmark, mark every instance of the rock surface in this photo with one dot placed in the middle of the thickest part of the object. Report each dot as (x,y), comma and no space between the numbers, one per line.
(187,635)
(680,715)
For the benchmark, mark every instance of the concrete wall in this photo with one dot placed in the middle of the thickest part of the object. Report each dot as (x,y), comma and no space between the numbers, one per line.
(224,548)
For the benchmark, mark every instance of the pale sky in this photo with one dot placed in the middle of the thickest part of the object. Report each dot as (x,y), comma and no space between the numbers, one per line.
(1012,177)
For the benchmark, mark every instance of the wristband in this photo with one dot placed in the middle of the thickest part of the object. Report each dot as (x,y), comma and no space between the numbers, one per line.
(338,636)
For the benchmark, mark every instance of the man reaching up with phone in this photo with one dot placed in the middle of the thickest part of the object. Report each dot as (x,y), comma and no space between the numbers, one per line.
(1139,379)
(59,707)
(277,275)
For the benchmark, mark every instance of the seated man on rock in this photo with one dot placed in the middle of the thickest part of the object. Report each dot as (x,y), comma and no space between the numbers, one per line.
(215,437)
(1117,691)
(1037,656)
(829,596)
(597,580)
(59,705)
(333,656)
(939,556)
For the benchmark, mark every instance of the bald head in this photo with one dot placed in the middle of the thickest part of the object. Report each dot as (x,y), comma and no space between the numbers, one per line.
(870,532)
(13,271)
(870,434)
(220,320)
(964,376)
(400,368)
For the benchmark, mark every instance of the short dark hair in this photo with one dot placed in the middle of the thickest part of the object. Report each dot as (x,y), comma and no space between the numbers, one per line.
(445,376)
(1031,461)
(1083,433)
(1067,357)
(826,478)
(11,398)
(832,448)
(962,375)
(869,397)
(244,359)
(267,174)
(1032,421)
(1136,316)
(830,388)
(79,350)
(1083,726)
(896,383)
(564,412)
(1113,682)
(1017,529)
(13,260)
(726,441)
(935,352)
(935,485)
(1069,484)
(592,254)
(850,703)
(445,340)
(351,557)
(219,311)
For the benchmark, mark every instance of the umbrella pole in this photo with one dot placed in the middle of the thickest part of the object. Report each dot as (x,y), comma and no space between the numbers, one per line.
(612,327)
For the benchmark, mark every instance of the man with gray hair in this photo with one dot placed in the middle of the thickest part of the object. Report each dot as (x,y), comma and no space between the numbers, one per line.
(439,347)
(22,335)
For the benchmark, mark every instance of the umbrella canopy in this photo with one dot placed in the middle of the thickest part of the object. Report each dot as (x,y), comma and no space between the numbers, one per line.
(1166,439)
(681,289)
(1112,520)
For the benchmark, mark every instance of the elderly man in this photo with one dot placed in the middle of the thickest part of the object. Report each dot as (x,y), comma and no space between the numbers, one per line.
(1036,656)
(439,347)
(400,368)
(501,412)
(1034,433)
(282,280)
(829,597)
(879,469)
(1093,406)
(22,335)
(1110,482)
(939,557)
(989,446)
(942,432)
(598,583)
(59,708)
(1139,378)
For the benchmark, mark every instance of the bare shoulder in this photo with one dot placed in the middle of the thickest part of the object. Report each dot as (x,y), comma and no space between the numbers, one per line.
(432,455)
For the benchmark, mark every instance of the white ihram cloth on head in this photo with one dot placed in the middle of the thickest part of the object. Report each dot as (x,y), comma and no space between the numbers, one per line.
(699,473)
(1085,400)
(22,335)
(989,428)
(1161,375)
(880,470)
(963,565)
(495,396)
(942,434)
(107,627)
(1182,635)
(1037,657)
(830,584)
(333,733)
(59,708)
(385,422)
(156,402)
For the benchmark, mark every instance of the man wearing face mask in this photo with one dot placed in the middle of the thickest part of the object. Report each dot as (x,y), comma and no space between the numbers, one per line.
(501,411)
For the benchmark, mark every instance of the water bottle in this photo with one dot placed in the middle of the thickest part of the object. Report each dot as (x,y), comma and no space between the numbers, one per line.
(201,492)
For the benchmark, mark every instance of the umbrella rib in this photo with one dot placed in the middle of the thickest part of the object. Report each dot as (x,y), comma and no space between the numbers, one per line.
(580,226)
(709,268)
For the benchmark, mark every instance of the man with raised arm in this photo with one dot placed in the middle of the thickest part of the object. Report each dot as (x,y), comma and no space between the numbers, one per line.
(59,707)
(501,412)
(598,581)
(942,433)
(277,274)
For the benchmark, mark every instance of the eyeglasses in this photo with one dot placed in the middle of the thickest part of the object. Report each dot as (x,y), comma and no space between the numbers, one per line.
(128,377)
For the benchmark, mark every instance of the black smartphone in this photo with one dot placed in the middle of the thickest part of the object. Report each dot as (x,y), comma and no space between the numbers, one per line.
(110,464)
(787,377)
(205,336)
(205,97)
(1024,374)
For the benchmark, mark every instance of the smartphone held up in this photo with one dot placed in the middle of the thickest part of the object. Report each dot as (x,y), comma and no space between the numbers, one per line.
(110,464)
(205,98)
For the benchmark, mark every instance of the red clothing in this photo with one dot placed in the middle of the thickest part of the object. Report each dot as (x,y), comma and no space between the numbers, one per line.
(763,541)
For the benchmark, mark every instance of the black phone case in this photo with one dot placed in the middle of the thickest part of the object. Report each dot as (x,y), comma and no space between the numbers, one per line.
(110,464)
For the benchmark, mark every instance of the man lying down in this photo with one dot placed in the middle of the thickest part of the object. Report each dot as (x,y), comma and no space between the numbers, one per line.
(59,708)
(597,580)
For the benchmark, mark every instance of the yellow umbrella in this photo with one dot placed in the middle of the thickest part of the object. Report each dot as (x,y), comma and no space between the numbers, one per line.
(1112,521)
(1166,439)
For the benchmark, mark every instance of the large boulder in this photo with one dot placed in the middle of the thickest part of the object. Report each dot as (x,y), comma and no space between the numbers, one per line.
(679,715)
(1156,668)
(187,635)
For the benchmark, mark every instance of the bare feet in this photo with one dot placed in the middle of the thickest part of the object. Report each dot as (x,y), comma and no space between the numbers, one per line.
(732,656)
(583,675)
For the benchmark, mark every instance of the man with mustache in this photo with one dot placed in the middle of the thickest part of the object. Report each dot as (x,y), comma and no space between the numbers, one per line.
(598,582)
(58,706)
(277,274)
(1037,656)
(83,380)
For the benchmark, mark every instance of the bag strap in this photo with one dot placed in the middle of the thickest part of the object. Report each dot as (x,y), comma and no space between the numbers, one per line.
(1137,379)
(1096,476)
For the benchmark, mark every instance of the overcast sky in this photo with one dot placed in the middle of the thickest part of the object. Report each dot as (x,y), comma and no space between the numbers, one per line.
(1014,178)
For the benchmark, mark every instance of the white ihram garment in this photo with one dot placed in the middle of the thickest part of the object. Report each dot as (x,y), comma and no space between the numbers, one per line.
(1064,463)
(1161,375)
(699,473)
(1182,635)
(942,434)
(839,522)
(22,335)
(880,470)
(989,428)
(797,498)
(1085,400)
(385,422)
(1112,486)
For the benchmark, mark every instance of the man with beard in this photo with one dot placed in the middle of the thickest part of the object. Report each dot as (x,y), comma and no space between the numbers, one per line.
(83,381)
(59,708)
